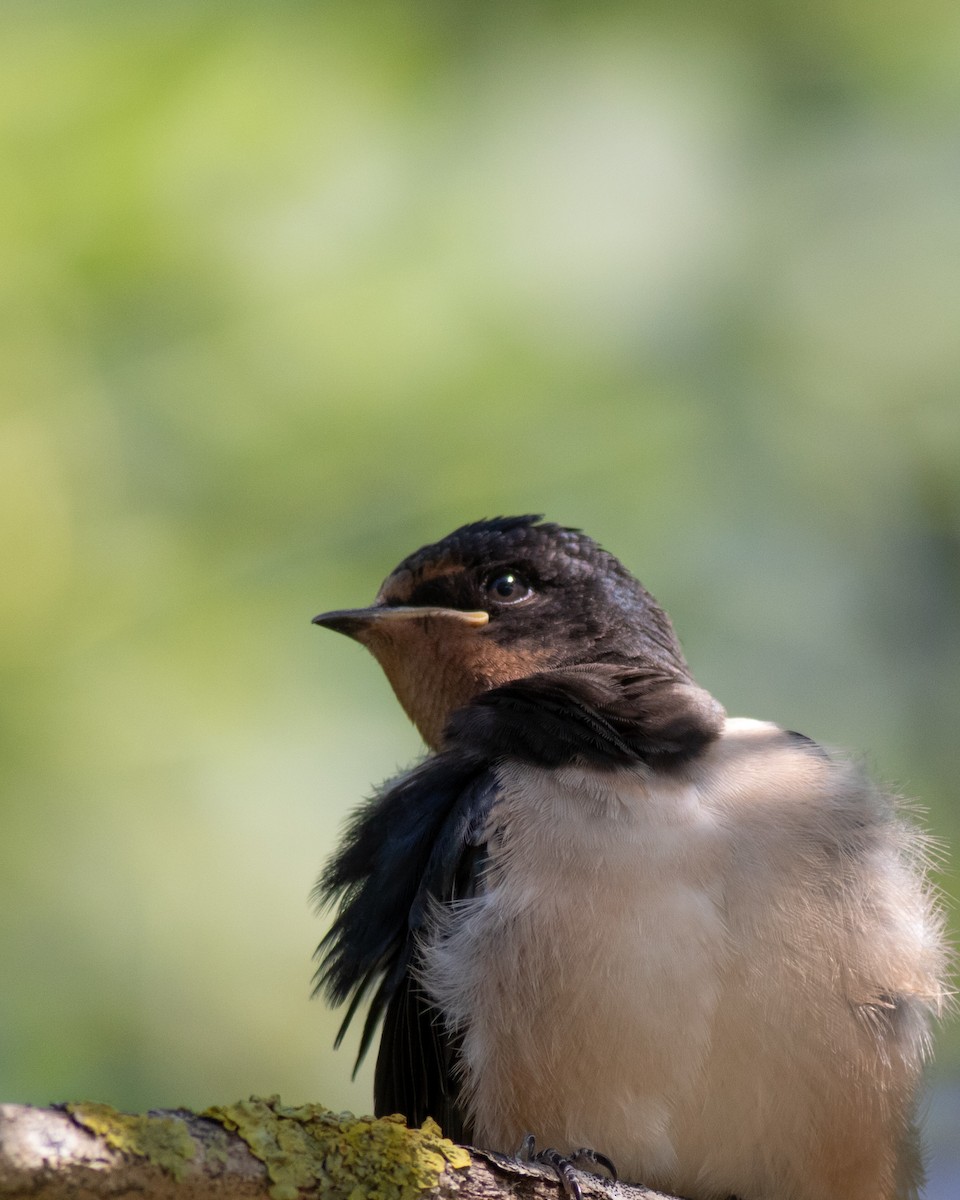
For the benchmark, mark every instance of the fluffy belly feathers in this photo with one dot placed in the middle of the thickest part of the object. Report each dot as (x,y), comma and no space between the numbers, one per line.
(586,977)
(640,975)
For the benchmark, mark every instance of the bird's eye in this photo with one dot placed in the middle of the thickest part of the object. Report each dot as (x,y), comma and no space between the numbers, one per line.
(508,588)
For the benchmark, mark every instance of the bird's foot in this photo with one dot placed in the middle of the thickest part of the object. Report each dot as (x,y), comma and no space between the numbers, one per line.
(563,1164)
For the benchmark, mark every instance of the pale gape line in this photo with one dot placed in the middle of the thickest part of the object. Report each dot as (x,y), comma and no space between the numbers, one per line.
(605,914)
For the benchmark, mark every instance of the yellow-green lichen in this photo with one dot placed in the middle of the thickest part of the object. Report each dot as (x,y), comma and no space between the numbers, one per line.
(163,1141)
(342,1156)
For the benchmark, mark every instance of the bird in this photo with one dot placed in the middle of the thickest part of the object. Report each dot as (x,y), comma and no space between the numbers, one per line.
(604,913)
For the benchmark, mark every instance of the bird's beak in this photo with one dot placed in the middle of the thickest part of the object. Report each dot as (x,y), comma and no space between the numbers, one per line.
(359,623)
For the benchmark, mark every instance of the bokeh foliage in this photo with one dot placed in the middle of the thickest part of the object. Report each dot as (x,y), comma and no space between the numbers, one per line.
(289,289)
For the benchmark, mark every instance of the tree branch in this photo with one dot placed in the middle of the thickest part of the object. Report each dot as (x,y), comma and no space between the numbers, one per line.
(256,1150)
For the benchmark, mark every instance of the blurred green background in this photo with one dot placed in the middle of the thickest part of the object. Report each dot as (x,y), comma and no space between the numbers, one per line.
(288,289)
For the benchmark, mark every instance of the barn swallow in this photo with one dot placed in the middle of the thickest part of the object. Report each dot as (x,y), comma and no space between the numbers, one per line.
(604,912)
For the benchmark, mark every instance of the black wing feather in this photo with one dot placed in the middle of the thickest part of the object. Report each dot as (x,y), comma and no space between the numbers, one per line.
(414,845)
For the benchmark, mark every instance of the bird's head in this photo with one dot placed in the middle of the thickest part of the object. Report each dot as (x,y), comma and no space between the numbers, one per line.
(498,600)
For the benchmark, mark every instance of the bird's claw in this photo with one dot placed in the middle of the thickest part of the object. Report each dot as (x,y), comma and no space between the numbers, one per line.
(563,1164)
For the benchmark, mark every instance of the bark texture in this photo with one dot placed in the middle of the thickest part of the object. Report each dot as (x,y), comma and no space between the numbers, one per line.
(257,1149)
